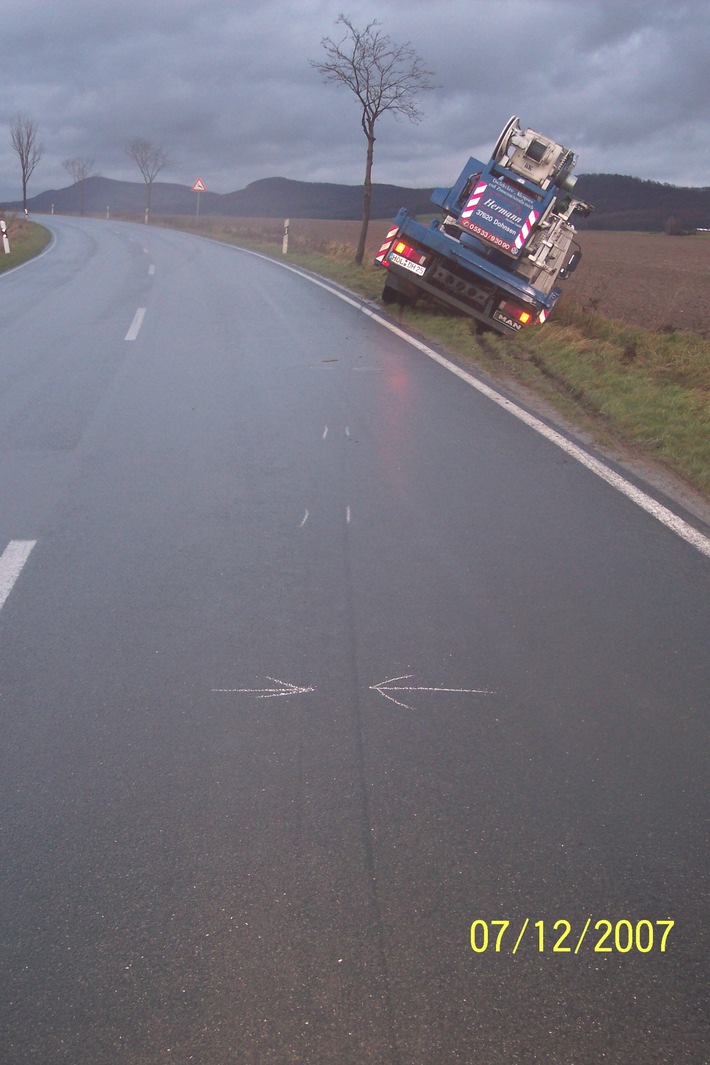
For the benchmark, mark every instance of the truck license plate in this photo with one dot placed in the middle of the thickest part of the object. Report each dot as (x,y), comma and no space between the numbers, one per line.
(399,260)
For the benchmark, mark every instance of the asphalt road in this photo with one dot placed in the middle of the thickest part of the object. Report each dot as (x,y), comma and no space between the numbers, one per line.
(316,658)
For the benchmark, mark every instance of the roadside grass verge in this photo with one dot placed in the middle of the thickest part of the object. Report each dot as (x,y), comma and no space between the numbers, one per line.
(644,388)
(648,387)
(27,239)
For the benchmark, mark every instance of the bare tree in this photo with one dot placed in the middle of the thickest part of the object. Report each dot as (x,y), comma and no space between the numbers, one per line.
(80,169)
(384,76)
(29,149)
(150,158)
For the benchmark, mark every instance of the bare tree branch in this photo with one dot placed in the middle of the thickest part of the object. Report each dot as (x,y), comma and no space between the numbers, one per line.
(150,158)
(80,169)
(384,76)
(29,149)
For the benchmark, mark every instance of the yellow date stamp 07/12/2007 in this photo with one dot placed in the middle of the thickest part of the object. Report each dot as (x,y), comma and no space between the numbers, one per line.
(562,937)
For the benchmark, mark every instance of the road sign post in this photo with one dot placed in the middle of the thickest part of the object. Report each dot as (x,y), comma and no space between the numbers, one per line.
(198,187)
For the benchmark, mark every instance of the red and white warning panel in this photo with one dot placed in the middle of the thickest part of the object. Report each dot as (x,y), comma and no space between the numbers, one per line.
(526,230)
(391,234)
(473,201)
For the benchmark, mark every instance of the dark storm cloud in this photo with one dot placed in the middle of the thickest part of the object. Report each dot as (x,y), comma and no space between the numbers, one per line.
(226,86)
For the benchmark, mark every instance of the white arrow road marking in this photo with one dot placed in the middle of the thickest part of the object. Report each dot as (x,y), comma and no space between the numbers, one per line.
(386,686)
(268,693)
(12,560)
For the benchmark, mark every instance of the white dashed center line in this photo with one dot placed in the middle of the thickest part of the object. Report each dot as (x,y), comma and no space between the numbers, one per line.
(136,324)
(12,560)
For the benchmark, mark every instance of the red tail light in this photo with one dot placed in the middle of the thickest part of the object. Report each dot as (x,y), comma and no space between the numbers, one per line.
(410,253)
(518,314)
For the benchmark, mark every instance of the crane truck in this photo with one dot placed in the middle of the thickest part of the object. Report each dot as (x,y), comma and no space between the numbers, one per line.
(504,239)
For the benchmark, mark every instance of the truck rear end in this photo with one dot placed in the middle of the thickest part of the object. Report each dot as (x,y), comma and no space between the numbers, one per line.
(503,241)
(426,260)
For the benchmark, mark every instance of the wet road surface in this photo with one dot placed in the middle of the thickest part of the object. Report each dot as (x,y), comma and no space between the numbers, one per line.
(314,659)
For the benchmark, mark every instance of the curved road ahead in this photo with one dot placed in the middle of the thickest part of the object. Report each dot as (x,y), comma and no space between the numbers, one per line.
(311,658)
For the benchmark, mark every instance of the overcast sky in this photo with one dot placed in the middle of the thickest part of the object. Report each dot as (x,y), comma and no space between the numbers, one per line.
(226,87)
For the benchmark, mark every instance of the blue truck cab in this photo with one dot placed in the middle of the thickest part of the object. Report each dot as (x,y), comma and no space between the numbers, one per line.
(504,238)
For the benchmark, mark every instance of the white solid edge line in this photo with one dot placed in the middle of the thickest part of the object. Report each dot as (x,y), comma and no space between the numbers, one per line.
(672,521)
(136,324)
(12,560)
(35,258)
(657,510)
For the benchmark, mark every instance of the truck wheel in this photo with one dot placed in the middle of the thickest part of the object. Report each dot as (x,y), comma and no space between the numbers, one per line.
(390,294)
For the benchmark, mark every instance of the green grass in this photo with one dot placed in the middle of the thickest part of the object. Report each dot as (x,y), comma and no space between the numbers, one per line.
(27,239)
(650,387)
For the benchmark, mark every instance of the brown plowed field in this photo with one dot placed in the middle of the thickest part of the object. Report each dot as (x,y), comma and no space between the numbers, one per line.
(648,279)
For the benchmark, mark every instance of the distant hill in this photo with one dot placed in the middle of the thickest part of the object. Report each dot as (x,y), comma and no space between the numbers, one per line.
(620,202)
(630,203)
(268,198)
(305,199)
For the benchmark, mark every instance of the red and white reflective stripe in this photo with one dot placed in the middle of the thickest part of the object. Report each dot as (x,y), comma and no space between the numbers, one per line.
(526,230)
(392,233)
(542,316)
(473,201)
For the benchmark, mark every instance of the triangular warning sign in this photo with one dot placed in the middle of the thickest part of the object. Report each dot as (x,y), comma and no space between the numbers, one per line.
(199,186)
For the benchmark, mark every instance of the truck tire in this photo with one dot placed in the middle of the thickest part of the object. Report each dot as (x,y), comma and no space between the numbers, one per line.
(390,294)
